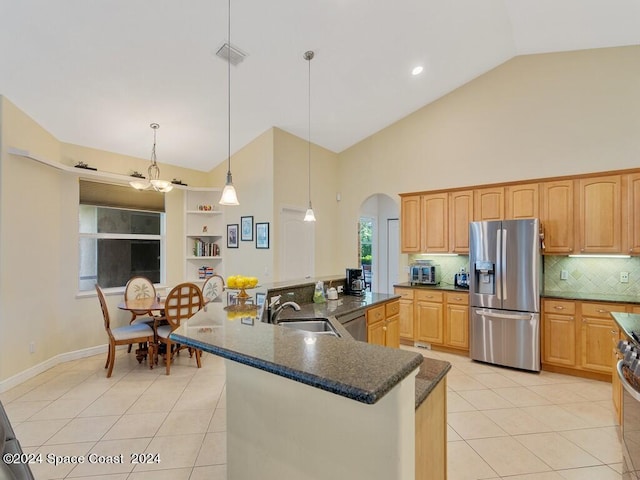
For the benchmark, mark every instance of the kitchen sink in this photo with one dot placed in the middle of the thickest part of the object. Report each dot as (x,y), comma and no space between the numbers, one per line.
(314,325)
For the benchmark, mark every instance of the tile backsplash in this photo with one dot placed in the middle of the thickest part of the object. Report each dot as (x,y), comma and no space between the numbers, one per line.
(449,265)
(584,275)
(592,275)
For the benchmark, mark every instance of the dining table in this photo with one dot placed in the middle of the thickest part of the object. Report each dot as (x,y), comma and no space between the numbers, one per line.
(142,304)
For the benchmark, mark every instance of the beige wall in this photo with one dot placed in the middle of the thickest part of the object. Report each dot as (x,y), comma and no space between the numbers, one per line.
(534,116)
(39,245)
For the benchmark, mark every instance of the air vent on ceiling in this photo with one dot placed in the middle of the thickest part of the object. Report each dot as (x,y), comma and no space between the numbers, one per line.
(230,53)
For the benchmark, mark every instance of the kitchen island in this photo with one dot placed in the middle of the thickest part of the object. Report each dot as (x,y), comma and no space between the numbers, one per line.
(307,406)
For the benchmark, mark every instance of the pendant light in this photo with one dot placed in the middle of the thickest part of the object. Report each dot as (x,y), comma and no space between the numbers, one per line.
(153,171)
(309,216)
(229,196)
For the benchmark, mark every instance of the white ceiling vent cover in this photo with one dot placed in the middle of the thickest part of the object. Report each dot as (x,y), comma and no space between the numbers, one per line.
(230,53)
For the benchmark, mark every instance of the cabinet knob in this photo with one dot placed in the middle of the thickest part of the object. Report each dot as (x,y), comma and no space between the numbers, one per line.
(602,311)
(458,298)
(559,307)
(613,331)
(384,328)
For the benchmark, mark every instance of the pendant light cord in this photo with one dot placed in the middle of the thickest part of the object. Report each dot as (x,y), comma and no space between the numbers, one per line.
(309,57)
(229,91)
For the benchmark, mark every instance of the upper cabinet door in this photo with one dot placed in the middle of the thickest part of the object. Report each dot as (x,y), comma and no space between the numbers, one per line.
(435,223)
(521,201)
(634,212)
(488,204)
(460,214)
(410,224)
(556,215)
(600,217)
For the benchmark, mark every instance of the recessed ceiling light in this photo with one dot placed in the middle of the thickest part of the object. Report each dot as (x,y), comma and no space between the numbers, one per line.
(417,70)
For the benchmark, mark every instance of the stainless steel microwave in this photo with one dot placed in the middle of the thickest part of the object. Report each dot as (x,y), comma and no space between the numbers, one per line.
(424,274)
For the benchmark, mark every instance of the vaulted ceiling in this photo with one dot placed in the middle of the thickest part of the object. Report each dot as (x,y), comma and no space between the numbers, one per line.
(97,73)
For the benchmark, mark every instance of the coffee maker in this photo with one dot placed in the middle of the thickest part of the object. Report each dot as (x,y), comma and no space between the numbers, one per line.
(355,282)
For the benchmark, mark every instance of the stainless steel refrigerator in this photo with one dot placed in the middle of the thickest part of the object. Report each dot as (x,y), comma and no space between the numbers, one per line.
(504,292)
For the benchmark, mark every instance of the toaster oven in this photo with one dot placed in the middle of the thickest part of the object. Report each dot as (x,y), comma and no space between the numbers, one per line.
(424,273)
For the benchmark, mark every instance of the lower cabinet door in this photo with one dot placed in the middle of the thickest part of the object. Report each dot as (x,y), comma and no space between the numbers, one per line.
(596,344)
(457,328)
(429,322)
(375,333)
(392,337)
(559,340)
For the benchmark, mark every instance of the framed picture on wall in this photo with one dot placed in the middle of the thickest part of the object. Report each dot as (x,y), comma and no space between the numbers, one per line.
(232,235)
(246,229)
(262,235)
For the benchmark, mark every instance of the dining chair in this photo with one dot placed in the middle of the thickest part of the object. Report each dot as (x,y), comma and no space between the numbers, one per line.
(140,333)
(183,301)
(212,288)
(140,287)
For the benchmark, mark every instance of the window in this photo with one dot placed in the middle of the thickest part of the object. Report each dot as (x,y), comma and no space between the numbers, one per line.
(118,243)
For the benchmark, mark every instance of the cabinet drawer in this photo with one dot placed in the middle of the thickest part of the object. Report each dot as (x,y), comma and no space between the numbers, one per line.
(405,293)
(428,296)
(375,314)
(600,310)
(392,308)
(458,298)
(560,307)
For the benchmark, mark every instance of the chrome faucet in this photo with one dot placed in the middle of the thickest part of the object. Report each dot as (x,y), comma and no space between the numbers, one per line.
(274,313)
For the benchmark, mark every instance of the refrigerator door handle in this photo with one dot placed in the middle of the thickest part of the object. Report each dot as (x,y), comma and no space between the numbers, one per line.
(512,316)
(503,264)
(498,270)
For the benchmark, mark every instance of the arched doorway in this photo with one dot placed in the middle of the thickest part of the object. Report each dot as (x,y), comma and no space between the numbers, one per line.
(379,245)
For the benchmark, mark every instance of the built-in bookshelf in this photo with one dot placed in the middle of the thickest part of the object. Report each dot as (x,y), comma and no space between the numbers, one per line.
(204,225)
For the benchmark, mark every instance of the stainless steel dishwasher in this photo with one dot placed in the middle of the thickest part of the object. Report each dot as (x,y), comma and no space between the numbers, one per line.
(356,324)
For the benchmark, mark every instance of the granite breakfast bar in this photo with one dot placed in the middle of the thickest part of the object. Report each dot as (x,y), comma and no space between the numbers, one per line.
(301,405)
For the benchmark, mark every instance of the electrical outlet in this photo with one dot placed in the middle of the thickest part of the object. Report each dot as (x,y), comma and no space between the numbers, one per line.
(624,277)
(340,288)
(564,274)
(32,347)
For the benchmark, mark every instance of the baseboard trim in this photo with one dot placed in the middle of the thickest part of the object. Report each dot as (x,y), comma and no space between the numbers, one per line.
(29,373)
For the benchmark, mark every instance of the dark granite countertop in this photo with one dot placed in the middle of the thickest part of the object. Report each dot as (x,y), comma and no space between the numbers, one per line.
(593,297)
(356,370)
(629,323)
(430,374)
(447,287)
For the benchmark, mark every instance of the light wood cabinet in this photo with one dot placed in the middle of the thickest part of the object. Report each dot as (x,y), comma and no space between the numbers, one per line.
(435,223)
(456,327)
(600,215)
(383,324)
(410,233)
(557,216)
(488,204)
(440,318)
(596,336)
(616,385)
(431,435)
(577,336)
(406,320)
(633,215)
(460,214)
(521,201)
(559,333)
(429,316)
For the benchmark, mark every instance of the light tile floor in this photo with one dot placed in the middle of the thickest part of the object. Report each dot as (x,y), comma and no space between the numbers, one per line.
(503,423)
